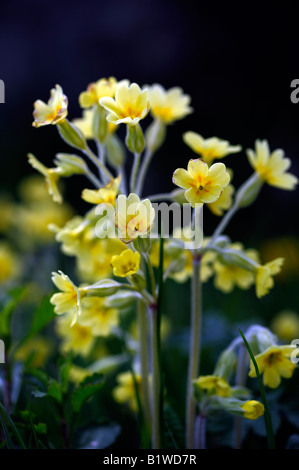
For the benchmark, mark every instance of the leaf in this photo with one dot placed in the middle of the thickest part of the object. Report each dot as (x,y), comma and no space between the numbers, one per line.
(54,390)
(108,363)
(12,300)
(6,419)
(99,437)
(86,390)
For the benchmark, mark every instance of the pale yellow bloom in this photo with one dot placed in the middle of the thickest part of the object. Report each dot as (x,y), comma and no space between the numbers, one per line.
(131,104)
(202,184)
(97,316)
(125,264)
(168,105)
(271,166)
(94,259)
(52,112)
(106,195)
(70,297)
(274,363)
(9,263)
(52,176)
(78,339)
(97,90)
(286,325)
(264,276)
(253,409)
(209,149)
(7,213)
(214,385)
(227,276)
(224,202)
(133,217)
(125,391)
(34,352)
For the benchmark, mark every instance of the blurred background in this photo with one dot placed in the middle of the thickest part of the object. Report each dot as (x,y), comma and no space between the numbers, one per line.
(236,63)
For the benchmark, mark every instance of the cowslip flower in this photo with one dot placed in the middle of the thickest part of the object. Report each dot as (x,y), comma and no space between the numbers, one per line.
(52,112)
(130,105)
(96,315)
(227,275)
(264,276)
(168,105)
(97,90)
(271,166)
(202,184)
(79,339)
(253,409)
(52,176)
(125,264)
(286,325)
(274,363)
(214,385)
(224,202)
(133,217)
(70,297)
(105,195)
(125,391)
(209,149)
(9,263)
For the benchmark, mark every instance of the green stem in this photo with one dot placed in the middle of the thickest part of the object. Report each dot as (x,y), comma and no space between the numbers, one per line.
(143,348)
(224,222)
(98,163)
(268,421)
(240,381)
(134,172)
(156,383)
(194,353)
(143,170)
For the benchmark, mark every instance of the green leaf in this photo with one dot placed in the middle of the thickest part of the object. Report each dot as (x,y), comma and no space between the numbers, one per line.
(6,420)
(86,390)
(10,303)
(54,390)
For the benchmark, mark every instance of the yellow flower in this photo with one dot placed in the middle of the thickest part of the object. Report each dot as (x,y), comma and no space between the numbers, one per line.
(9,264)
(264,273)
(97,90)
(131,104)
(97,316)
(125,391)
(125,264)
(168,106)
(214,385)
(85,124)
(227,276)
(202,184)
(52,112)
(52,176)
(78,339)
(224,202)
(7,213)
(93,261)
(35,351)
(133,217)
(253,409)
(69,299)
(209,149)
(271,167)
(274,363)
(286,325)
(106,195)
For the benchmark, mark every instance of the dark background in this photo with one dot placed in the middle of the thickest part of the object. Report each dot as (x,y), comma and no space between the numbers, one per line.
(236,62)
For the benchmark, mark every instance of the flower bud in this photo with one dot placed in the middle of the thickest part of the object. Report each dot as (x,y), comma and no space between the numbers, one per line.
(115,151)
(155,135)
(142,244)
(249,191)
(99,123)
(71,134)
(70,164)
(135,139)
